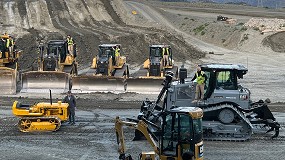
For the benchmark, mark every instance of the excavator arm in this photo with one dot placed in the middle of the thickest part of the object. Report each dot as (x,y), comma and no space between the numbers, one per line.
(141,126)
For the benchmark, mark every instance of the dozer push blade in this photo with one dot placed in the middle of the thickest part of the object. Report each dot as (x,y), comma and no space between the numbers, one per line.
(91,84)
(43,81)
(144,85)
(8,80)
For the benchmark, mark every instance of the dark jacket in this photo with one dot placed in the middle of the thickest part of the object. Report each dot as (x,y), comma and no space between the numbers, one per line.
(71,101)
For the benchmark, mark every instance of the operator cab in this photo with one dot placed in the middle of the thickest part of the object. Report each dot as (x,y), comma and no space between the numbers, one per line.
(106,57)
(156,58)
(155,53)
(57,49)
(182,127)
(107,51)
(221,86)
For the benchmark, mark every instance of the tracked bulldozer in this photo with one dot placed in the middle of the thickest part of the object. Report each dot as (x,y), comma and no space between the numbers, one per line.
(148,78)
(229,112)
(56,66)
(40,116)
(108,72)
(8,68)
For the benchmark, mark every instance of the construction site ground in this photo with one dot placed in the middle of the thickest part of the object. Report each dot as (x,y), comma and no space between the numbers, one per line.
(195,36)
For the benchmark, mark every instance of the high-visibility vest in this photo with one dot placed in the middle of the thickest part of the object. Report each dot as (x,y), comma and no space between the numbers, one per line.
(201,78)
(117,52)
(165,50)
(9,43)
(69,41)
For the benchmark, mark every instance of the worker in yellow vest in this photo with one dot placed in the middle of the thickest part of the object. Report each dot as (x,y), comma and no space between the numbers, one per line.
(165,55)
(200,78)
(117,55)
(10,45)
(70,44)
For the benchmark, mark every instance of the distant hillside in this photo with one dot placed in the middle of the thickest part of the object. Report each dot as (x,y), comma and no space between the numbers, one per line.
(259,3)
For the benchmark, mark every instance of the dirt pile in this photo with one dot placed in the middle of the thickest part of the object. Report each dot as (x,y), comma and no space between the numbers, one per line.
(266,25)
(276,42)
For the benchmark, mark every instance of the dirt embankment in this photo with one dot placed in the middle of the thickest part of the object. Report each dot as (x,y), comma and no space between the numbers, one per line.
(276,42)
(90,24)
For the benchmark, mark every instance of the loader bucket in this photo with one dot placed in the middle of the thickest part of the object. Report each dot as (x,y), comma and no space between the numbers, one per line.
(43,81)
(144,85)
(89,84)
(8,80)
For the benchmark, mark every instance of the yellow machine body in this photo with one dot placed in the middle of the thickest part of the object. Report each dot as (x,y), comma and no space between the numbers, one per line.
(104,74)
(149,77)
(8,69)
(193,113)
(58,76)
(40,116)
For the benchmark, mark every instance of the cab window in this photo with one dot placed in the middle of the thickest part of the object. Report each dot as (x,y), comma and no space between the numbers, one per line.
(225,80)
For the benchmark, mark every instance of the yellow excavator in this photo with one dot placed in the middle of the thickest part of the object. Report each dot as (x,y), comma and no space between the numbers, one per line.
(40,116)
(56,66)
(8,68)
(148,78)
(108,72)
(180,135)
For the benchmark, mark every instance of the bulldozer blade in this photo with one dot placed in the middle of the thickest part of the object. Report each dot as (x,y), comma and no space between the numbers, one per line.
(8,80)
(43,81)
(144,85)
(89,84)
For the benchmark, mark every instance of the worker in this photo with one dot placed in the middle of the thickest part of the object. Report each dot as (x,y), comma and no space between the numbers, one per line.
(10,46)
(117,55)
(2,47)
(200,78)
(70,99)
(70,44)
(165,54)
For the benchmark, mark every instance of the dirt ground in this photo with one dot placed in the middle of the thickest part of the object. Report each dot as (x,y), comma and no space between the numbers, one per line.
(190,28)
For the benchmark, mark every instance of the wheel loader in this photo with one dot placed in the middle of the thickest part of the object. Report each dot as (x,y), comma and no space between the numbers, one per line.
(148,78)
(229,113)
(56,66)
(180,135)
(106,74)
(40,116)
(8,68)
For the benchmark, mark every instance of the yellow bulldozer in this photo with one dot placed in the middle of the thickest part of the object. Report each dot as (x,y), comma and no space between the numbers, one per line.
(148,78)
(56,66)
(8,67)
(180,135)
(40,116)
(108,72)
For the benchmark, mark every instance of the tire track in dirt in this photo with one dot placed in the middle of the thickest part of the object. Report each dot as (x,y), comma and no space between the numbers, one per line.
(112,12)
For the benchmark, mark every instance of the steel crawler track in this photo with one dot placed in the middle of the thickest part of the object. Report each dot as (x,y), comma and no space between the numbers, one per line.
(217,131)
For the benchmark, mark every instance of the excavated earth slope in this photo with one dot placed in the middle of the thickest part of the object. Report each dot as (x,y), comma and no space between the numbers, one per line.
(89,22)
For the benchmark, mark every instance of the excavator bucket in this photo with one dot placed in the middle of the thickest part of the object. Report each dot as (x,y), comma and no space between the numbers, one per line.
(8,80)
(43,81)
(89,84)
(144,85)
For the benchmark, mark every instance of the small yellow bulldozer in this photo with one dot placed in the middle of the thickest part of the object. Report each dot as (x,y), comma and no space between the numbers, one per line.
(108,72)
(55,68)
(40,116)
(150,76)
(8,68)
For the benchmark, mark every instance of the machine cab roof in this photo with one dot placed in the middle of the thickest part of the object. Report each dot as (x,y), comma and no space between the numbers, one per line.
(107,50)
